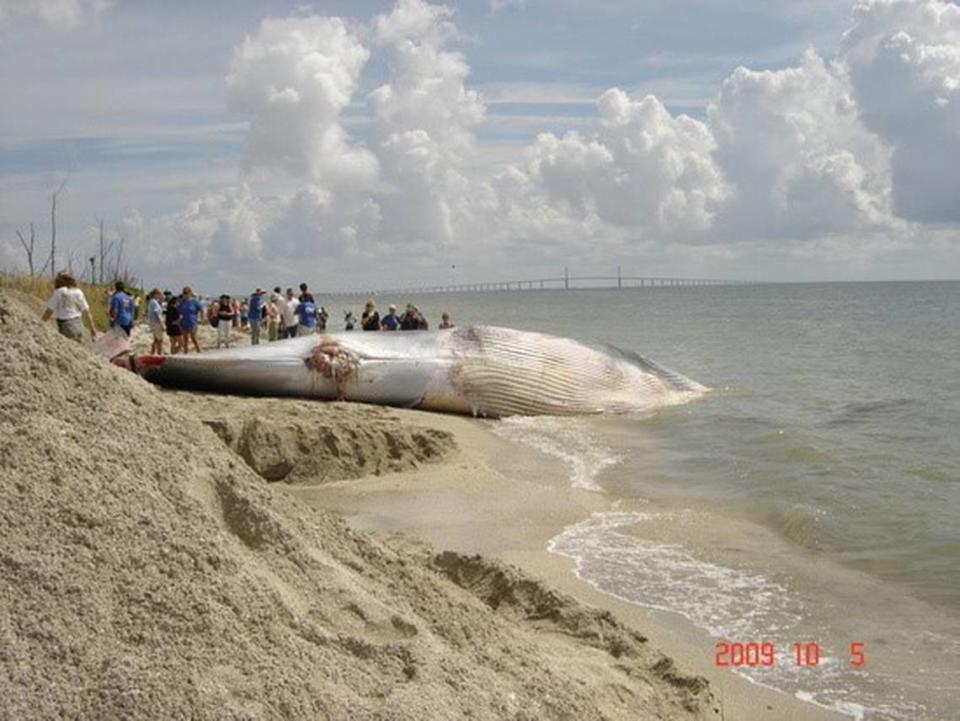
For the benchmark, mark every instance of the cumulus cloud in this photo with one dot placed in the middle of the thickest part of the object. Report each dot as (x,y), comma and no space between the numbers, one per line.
(407,187)
(830,157)
(53,12)
(295,77)
(792,145)
(427,90)
(426,119)
(903,59)
(213,231)
(643,167)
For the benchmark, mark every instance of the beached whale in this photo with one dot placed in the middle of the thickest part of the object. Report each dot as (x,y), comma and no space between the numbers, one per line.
(481,370)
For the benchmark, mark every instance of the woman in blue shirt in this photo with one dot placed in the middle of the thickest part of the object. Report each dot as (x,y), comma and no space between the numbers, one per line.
(190,310)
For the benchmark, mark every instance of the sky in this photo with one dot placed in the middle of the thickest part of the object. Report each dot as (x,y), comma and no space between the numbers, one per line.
(360,144)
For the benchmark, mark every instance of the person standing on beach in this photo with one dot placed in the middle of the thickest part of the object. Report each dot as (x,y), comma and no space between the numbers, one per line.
(121,308)
(306,314)
(189,319)
(273,315)
(409,319)
(421,319)
(172,318)
(255,315)
(272,321)
(288,313)
(155,321)
(69,305)
(370,320)
(224,314)
(390,321)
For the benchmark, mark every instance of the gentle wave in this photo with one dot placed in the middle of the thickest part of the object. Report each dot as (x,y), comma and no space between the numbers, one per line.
(727,603)
(723,601)
(569,439)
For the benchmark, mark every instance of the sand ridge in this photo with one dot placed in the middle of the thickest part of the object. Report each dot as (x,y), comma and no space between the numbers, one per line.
(303,441)
(147,571)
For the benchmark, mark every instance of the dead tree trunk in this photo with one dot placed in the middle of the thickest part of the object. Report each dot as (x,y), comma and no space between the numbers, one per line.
(53,226)
(28,248)
(53,234)
(102,252)
(119,262)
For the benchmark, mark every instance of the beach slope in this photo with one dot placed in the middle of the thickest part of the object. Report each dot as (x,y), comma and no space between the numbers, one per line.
(147,570)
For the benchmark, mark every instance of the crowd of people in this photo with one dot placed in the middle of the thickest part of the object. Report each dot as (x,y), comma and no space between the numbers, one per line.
(284,314)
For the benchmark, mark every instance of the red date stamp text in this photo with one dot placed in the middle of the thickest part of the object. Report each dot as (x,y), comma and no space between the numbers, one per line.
(764,653)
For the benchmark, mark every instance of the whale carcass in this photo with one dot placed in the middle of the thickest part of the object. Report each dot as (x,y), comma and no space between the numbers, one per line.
(481,370)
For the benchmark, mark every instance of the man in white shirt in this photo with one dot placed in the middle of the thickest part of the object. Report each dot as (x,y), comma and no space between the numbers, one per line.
(289,312)
(68,305)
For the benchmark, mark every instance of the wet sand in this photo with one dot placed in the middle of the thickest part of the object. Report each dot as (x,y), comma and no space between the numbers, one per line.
(498,499)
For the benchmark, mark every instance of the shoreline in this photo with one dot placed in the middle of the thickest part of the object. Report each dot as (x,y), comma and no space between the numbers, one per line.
(498,499)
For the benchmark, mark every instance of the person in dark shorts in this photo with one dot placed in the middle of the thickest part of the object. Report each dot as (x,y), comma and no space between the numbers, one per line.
(121,308)
(172,318)
(307,315)
(289,312)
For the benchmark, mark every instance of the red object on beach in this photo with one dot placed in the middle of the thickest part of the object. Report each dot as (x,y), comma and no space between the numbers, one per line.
(141,361)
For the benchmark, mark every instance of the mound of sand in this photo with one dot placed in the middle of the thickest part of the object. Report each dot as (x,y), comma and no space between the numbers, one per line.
(301,441)
(147,572)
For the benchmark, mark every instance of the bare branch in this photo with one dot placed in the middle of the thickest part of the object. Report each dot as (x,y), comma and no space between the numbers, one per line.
(45,264)
(71,257)
(102,254)
(53,224)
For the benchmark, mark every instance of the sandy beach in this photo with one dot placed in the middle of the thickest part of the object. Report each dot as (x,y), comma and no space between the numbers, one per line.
(501,500)
(168,554)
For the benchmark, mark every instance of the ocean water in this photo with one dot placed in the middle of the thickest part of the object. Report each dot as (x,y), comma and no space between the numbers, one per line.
(813,496)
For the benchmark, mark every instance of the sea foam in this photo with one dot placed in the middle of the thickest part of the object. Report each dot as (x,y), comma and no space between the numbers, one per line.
(569,439)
